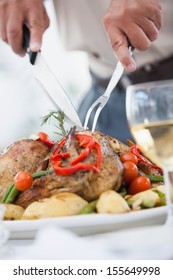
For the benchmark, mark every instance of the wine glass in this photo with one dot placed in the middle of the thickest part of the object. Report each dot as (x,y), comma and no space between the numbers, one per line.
(149,108)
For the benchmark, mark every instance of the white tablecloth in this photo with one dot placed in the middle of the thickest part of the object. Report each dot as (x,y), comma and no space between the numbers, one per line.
(56,243)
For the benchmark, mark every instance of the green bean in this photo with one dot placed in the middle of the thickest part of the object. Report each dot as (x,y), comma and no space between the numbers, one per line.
(147,203)
(12,195)
(89,208)
(130,202)
(122,191)
(162,197)
(7,193)
(41,173)
(156,178)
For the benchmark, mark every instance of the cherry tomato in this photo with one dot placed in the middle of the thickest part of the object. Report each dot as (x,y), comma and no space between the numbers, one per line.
(130,172)
(42,135)
(23,180)
(129,157)
(139,184)
(45,139)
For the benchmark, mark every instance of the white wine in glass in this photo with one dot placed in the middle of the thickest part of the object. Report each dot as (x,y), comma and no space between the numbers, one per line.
(149,108)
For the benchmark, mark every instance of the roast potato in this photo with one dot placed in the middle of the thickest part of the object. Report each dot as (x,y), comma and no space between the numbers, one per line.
(147,199)
(111,202)
(62,204)
(13,212)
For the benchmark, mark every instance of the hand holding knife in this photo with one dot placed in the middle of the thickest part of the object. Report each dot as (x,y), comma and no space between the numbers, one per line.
(46,78)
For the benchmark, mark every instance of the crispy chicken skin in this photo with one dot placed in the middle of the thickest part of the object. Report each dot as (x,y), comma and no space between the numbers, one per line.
(24,154)
(87,184)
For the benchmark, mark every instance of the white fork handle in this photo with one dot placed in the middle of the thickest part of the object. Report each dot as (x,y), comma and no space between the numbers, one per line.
(118,72)
(116,76)
(112,84)
(114,79)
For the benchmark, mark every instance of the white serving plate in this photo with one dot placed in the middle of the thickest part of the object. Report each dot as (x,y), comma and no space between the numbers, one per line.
(89,224)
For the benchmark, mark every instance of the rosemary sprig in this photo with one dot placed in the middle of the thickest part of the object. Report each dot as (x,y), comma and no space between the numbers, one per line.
(47,117)
(60,117)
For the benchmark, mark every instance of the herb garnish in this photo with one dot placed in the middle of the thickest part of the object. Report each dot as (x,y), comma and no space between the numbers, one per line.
(60,117)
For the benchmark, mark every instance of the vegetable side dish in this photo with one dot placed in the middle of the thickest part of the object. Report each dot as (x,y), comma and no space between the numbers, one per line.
(82,173)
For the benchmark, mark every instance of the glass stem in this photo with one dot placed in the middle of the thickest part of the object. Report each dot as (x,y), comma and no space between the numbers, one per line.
(168,179)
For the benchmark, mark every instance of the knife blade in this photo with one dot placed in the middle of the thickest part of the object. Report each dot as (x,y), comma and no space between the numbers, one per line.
(50,84)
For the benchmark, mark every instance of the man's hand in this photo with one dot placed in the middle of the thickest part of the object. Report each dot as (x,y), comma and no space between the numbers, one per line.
(13,14)
(134,21)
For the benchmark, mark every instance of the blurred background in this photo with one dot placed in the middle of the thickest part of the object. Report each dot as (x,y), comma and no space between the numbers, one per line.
(23,103)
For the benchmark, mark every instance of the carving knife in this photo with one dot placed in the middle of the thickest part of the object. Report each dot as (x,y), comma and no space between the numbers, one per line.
(46,78)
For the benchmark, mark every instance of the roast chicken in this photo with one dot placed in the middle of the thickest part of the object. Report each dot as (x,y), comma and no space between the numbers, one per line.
(24,154)
(33,155)
(87,184)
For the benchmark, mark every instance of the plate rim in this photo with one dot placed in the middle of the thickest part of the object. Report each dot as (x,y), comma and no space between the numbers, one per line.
(86,220)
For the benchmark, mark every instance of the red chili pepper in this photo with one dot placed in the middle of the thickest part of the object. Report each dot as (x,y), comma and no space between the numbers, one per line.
(43,137)
(84,141)
(65,171)
(99,154)
(59,156)
(136,151)
(76,165)
(60,144)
